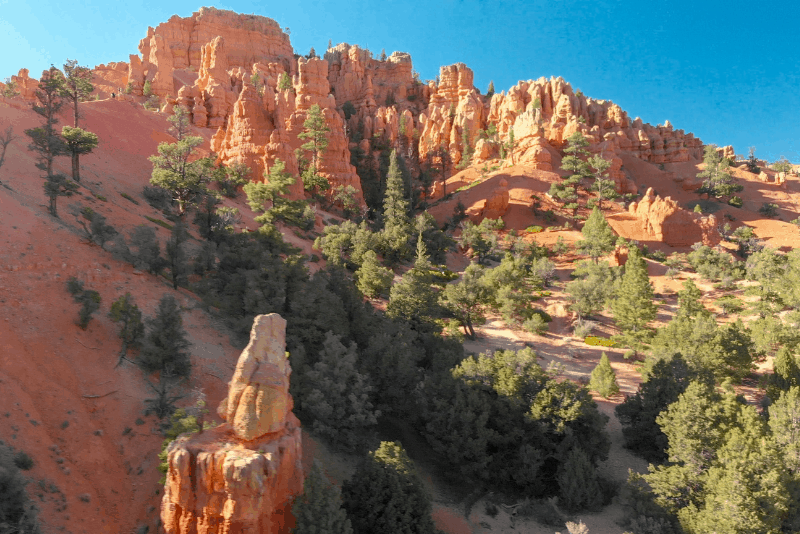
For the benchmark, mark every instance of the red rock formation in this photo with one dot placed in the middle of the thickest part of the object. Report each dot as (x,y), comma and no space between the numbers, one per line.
(663,220)
(178,44)
(455,107)
(25,85)
(242,475)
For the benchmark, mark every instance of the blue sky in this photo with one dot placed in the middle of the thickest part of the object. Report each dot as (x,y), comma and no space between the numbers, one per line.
(727,71)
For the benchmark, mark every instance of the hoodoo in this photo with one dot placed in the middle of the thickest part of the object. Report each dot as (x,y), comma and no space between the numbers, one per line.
(242,475)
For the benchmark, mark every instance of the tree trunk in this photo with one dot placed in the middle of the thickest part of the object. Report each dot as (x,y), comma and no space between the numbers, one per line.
(76,167)
(468,325)
(75,100)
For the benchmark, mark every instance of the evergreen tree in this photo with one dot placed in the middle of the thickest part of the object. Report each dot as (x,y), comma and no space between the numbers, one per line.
(88,299)
(667,380)
(319,509)
(176,253)
(396,226)
(633,307)
(717,181)
(689,304)
(578,488)
(572,162)
(373,279)
(603,379)
(412,298)
(385,494)
(164,347)
(598,237)
(131,328)
(78,142)
(45,140)
(315,133)
(338,396)
(593,289)
(77,85)
(466,151)
(174,172)
(490,89)
(784,422)
(602,184)
(180,122)
(58,185)
(284,82)
(467,297)
(785,372)
(98,231)
(747,490)
(274,190)
(148,253)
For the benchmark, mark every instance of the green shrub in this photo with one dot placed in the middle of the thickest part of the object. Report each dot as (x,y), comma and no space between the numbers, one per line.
(768,209)
(736,201)
(534,229)
(535,325)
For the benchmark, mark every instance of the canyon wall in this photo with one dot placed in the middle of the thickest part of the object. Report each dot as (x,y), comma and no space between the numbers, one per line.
(663,220)
(242,475)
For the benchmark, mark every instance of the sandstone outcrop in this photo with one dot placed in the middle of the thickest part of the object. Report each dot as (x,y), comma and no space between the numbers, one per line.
(455,111)
(178,44)
(242,475)
(663,220)
(25,85)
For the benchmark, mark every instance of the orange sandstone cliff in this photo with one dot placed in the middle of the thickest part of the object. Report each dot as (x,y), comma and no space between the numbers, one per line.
(242,475)
(663,220)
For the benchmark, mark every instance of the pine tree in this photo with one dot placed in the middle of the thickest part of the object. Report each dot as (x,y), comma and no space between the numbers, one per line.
(747,490)
(78,142)
(176,253)
(180,122)
(490,89)
(467,297)
(164,347)
(785,371)
(338,396)
(284,82)
(717,181)
(578,488)
(385,494)
(131,330)
(45,140)
(319,509)
(77,85)
(634,308)
(784,422)
(274,190)
(604,380)
(315,132)
(666,381)
(174,172)
(396,227)
(689,303)
(602,184)
(412,298)
(148,253)
(373,279)
(57,185)
(598,237)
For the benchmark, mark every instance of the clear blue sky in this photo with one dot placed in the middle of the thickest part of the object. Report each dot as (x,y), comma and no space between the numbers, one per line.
(729,71)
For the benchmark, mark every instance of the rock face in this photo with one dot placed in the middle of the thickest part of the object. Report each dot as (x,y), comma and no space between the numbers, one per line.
(455,112)
(663,220)
(178,44)
(242,475)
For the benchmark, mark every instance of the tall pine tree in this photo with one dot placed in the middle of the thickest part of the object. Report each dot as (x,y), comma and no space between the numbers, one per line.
(396,224)
(598,237)
(634,308)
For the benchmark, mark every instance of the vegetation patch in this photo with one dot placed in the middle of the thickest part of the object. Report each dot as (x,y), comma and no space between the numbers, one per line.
(599,341)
